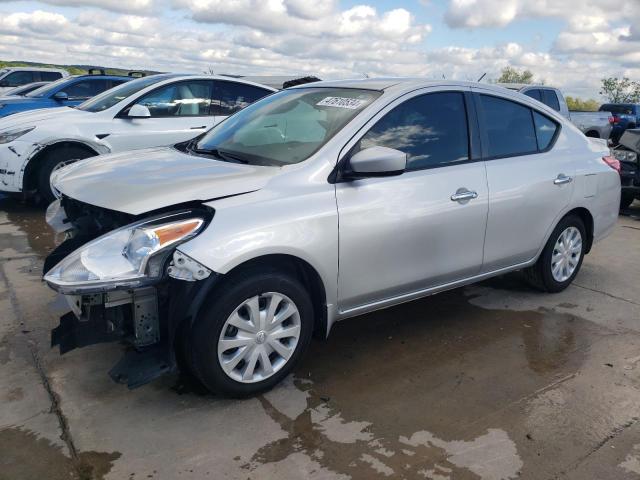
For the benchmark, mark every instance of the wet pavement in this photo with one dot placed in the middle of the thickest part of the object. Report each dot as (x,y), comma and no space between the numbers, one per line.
(492,381)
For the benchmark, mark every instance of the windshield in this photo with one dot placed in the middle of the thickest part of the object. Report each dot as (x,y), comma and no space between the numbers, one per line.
(286,127)
(47,89)
(109,98)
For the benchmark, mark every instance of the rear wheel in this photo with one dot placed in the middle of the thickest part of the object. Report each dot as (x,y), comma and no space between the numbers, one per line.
(52,161)
(561,258)
(251,333)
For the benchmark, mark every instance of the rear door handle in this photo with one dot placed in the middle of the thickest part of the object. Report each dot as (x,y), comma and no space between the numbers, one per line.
(561,179)
(462,195)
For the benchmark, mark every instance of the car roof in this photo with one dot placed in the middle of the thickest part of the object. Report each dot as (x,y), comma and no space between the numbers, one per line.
(520,86)
(206,76)
(397,84)
(36,69)
(108,77)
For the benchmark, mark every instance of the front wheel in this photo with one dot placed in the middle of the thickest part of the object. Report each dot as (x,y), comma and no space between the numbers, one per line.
(54,160)
(561,258)
(251,333)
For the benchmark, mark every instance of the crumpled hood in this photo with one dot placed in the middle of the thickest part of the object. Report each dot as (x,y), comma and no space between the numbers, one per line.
(32,118)
(140,181)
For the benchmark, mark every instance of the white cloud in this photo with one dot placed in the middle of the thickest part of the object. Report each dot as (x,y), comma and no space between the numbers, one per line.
(124,6)
(316,19)
(321,38)
(581,15)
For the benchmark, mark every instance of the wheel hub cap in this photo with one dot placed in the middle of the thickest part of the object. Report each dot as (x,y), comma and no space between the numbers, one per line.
(566,254)
(259,337)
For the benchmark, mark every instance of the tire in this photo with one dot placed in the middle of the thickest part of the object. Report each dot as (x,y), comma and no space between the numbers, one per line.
(50,162)
(207,351)
(626,199)
(541,275)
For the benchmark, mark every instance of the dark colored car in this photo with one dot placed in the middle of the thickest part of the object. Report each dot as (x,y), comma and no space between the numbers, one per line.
(628,154)
(66,92)
(626,116)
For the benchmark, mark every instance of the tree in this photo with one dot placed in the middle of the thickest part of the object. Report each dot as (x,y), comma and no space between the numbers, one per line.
(513,75)
(620,90)
(579,105)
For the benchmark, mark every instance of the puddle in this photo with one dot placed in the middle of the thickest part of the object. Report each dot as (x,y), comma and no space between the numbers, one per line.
(25,455)
(401,393)
(23,228)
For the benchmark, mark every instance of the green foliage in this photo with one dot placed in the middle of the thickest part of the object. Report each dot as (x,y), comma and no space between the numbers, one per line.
(620,90)
(513,75)
(579,105)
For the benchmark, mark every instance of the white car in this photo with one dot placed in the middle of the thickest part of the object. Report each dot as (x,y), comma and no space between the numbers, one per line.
(153,111)
(18,76)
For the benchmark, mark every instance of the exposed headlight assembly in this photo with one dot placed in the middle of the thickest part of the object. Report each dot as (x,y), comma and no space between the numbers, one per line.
(128,257)
(10,135)
(625,155)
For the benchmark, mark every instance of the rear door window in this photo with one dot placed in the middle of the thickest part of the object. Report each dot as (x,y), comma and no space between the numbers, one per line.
(230,97)
(50,76)
(535,93)
(431,129)
(508,126)
(550,98)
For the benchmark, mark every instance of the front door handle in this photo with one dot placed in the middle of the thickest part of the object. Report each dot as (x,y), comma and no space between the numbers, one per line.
(463,195)
(199,128)
(561,179)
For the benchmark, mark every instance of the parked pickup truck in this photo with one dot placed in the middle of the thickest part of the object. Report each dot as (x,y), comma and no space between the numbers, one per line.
(592,124)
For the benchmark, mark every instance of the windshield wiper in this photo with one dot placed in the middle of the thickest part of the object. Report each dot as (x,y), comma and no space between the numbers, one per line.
(214,152)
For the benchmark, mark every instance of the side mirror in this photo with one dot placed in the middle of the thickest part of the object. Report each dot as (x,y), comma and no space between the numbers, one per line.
(4,83)
(61,96)
(377,162)
(138,111)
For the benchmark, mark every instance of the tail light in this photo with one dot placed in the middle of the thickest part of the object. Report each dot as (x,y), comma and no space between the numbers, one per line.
(612,120)
(612,162)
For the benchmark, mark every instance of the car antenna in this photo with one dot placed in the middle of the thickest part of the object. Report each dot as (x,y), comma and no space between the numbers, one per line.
(483,75)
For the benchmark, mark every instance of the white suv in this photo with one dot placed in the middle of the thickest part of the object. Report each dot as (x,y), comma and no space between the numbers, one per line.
(152,111)
(18,76)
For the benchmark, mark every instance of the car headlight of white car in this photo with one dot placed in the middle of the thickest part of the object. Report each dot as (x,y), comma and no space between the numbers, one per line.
(10,135)
(129,257)
(625,155)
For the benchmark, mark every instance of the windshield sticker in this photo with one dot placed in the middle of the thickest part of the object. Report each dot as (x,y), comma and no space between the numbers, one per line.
(341,102)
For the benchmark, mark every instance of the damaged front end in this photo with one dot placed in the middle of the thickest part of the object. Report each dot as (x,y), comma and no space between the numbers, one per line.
(125,281)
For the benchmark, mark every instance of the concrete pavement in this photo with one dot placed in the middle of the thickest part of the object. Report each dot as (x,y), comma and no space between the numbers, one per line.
(493,381)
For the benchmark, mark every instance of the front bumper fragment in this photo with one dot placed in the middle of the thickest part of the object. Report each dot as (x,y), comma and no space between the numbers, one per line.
(128,316)
(151,322)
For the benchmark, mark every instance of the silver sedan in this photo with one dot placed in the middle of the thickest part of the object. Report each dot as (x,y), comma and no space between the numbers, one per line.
(222,256)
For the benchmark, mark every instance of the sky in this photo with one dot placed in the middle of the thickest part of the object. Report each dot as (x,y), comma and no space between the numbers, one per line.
(570,44)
